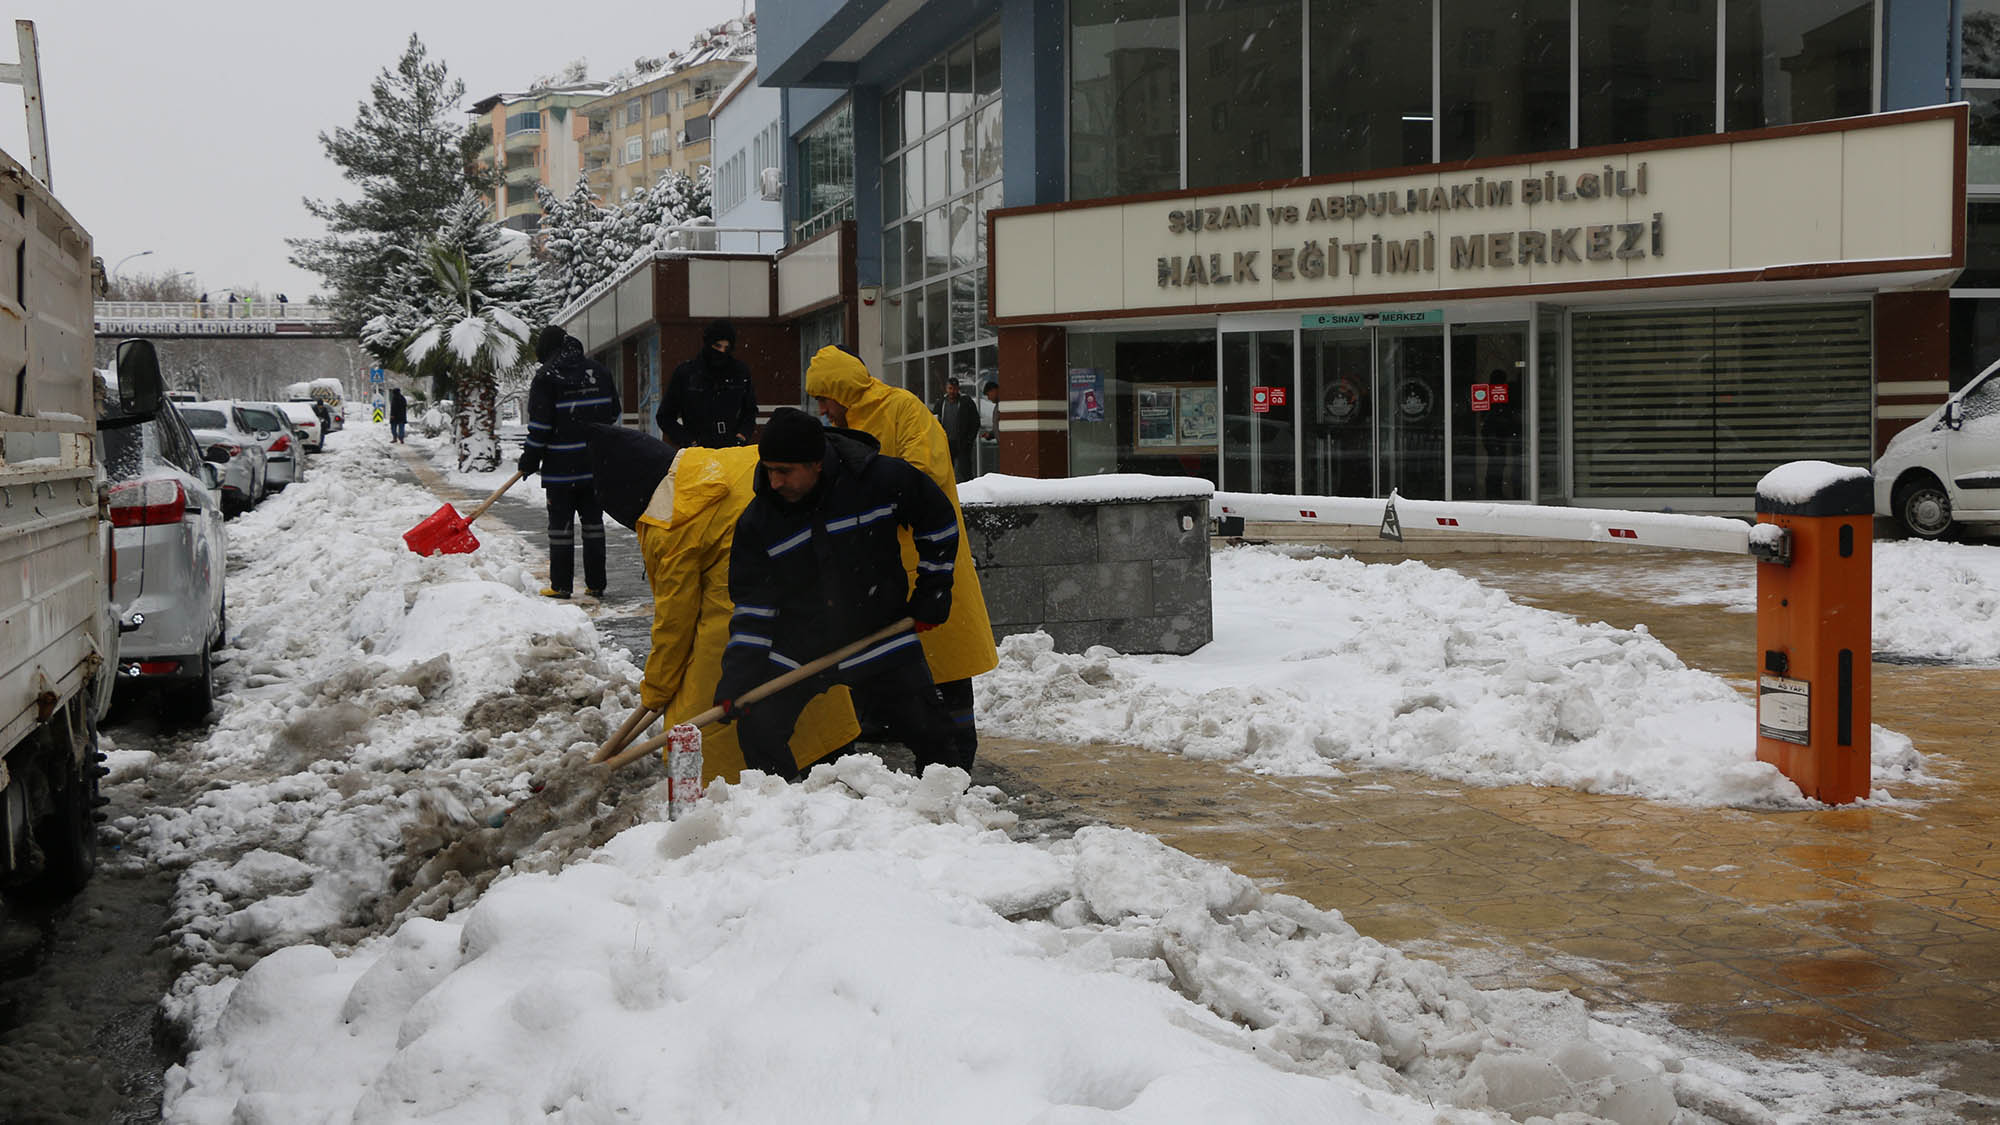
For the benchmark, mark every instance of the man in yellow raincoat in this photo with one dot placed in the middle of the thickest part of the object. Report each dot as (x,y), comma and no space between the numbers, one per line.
(962,647)
(684,504)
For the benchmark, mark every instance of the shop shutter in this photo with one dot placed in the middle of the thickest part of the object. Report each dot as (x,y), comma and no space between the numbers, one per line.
(1704,402)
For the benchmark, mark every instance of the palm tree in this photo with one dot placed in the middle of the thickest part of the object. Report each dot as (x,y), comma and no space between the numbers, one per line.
(457,313)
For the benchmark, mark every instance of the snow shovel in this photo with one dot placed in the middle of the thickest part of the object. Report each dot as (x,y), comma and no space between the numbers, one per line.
(771,687)
(638,720)
(445,532)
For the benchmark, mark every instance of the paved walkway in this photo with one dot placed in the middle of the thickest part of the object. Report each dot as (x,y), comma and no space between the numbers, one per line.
(1872,928)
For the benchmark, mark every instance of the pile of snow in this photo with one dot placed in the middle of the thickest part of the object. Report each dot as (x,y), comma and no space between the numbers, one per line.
(375,709)
(1325,663)
(999,488)
(1933,601)
(866,947)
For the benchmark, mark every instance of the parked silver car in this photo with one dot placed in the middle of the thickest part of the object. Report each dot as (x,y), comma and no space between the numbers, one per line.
(217,425)
(169,558)
(284,449)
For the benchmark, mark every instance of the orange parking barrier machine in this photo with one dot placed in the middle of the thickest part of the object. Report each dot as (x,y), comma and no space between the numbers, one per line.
(1814,544)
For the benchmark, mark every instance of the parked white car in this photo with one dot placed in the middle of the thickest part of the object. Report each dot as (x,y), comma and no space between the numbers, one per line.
(284,449)
(170,558)
(1943,473)
(304,419)
(216,426)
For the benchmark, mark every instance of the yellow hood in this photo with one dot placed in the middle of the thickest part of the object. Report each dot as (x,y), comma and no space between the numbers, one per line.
(839,376)
(699,480)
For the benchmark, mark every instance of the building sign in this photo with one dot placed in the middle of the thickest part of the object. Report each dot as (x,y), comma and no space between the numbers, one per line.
(175,327)
(1388,318)
(1857,197)
(1482,397)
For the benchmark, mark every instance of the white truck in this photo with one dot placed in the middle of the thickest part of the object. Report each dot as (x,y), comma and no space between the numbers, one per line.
(58,633)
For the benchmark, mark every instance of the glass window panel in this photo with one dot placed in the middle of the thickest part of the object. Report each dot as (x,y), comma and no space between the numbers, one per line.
(913,251)
(936,157)
(1982,246)
(937,242)
(1504,77)
(979,328)
(913,112)
(892,124)
(1975,337)
(1245,73)
(962,321)
(986,138)
(913,181)
(1798,60)
(1982,161)
(937,314)
(965,242)
(1979,38)
(936,107)
(986,62)
(892,256)
(936,370)
(892,189)
(958,80)
(1372,109)
(958,155)
(989,200)
(1124,97)
(913,320)
(1645,70)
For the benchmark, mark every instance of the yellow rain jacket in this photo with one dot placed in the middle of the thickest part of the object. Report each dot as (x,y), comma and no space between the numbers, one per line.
(685,536)
(962,647)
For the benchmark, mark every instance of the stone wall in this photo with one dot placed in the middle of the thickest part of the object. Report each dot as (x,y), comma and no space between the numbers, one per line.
(1131,574)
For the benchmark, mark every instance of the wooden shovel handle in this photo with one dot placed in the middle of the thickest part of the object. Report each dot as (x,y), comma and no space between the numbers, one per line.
(481,509)
(804,671)
(637,721)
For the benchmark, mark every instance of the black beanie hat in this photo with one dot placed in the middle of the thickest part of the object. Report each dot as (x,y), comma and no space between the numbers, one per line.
(718,330)
(549,342)
(792,435)
(626,466)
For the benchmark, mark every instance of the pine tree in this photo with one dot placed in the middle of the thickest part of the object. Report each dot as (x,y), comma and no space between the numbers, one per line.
(457,310)
(408,150)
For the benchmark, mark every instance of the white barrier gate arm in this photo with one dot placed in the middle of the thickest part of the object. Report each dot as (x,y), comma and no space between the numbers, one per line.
(1589,525)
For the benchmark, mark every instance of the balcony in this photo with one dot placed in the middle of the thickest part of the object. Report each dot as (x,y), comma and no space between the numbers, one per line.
(524,140)
(522,174)
(597,142)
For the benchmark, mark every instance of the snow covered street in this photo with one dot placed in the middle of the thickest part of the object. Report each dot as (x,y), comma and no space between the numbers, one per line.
(360,945)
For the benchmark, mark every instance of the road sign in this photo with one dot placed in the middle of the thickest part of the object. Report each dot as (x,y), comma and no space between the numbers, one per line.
(375,375)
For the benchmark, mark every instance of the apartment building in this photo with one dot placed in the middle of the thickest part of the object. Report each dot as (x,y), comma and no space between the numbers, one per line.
(533,143)
(657,121)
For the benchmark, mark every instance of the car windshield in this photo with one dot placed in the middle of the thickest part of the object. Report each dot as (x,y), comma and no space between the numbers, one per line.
(204,419)
(262,419)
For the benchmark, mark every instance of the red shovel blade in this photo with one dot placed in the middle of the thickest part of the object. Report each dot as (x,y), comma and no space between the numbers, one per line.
(443,532)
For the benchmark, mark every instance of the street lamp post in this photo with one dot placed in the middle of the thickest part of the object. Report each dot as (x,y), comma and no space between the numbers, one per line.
(121,264)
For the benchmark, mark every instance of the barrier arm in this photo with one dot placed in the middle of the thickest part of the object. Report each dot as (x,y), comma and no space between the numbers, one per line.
(1588,525)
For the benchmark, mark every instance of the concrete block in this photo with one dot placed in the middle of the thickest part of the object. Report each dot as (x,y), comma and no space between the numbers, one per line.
(1181,586)
(1097,591)
(1032,535)
(1153,530)
(1013,595)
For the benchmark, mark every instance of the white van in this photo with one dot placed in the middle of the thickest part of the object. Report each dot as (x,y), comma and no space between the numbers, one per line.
(1943,473)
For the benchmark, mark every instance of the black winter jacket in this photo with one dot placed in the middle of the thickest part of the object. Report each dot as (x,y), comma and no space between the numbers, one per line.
(568,394)
(709,403)
(810,577)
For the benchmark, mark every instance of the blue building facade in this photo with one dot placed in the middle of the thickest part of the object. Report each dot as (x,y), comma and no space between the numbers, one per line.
(941,131)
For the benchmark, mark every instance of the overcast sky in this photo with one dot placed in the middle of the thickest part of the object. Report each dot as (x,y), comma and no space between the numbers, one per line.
(194,132)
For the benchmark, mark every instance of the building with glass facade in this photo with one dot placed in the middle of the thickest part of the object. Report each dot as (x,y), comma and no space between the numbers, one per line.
(1620,252)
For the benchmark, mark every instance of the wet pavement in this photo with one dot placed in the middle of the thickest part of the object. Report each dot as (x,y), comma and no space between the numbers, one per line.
(1873,928)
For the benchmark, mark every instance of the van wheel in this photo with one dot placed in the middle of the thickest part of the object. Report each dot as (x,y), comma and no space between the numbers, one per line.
(67,832)
(1924,510)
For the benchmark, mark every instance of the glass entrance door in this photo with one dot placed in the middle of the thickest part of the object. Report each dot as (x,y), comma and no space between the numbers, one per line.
(1337,412)
(1410,416)
(1259,431)
(1489,404)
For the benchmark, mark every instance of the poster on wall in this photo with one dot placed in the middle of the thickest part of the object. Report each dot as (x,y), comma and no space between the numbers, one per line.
(1155,413)
(1086,394)
(1200,420)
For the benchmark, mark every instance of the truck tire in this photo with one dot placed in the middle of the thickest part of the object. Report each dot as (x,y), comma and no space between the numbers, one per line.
(67,832)
(1924,509)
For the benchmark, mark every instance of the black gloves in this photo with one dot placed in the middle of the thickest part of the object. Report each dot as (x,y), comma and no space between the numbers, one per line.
(730,711)
(929,607)
(531,462)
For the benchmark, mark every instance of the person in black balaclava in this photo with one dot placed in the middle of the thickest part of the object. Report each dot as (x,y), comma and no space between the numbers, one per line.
(709,401)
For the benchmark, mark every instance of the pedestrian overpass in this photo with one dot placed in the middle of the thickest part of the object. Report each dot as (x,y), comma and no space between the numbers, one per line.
(239,349)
